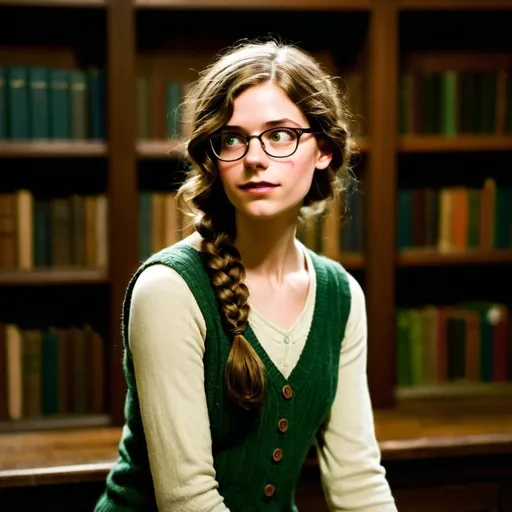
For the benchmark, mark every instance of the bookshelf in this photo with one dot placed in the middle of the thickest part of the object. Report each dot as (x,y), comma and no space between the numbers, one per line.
(164,39)
(55,3)
(290,5)
(49,277)
(54,149)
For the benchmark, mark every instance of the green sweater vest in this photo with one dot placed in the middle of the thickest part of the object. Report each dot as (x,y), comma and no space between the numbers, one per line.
(258,455)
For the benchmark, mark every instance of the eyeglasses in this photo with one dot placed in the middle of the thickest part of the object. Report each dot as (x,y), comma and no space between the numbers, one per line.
(276,142)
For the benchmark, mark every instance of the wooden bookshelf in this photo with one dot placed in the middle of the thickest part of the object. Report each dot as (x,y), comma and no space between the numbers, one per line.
(53,277)
(473,143)
(53,149)
(55,3)
(379,46)
(255,4)
(453,5)
(429,258)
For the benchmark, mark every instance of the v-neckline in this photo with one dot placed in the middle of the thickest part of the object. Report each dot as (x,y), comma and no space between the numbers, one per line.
(311,348)
(310,297)
(315,335)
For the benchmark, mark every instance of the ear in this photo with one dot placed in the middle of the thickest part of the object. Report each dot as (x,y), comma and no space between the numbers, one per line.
(324,158)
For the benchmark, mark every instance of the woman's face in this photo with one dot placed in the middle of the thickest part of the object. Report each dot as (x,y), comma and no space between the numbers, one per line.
(259,185)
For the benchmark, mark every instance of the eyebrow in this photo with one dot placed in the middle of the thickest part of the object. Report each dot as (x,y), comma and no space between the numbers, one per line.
(266,125)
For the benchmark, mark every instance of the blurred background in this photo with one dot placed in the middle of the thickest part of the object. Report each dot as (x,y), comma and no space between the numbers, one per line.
(91,154)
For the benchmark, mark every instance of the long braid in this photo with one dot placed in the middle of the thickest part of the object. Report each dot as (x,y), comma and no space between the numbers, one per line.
(245,373)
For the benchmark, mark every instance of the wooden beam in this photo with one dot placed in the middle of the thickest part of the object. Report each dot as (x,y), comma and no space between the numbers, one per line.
(380,185)
(122,182)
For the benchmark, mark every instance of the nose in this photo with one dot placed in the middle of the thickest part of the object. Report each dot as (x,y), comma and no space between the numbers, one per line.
(256,157)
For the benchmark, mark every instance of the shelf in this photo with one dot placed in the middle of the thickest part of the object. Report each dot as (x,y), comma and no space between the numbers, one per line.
(352,261)
(428,258)
(454,5)
(55,423)
(53,277)
(439,143)
(331,5)
(175,148)
(455,390)
(54,3)
(157,149)
(53,149)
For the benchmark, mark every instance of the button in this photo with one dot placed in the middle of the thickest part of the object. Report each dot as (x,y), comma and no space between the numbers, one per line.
(287,391)
(282,425)
(277,454)
(269,490)
(286,340)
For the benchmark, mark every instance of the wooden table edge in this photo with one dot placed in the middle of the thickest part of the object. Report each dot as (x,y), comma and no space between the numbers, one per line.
(391,450)
(69,474)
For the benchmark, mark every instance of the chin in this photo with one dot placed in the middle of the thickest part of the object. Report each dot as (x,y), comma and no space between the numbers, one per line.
(260,210)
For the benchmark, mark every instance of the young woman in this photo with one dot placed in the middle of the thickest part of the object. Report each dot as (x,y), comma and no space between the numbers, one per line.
(243,348)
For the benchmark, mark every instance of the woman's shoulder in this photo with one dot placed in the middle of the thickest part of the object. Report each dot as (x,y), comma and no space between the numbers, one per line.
(160,274)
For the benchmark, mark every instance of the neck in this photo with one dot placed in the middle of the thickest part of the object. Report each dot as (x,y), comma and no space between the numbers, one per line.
(268,247)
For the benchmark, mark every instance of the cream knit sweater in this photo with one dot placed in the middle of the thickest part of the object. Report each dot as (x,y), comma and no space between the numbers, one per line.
(166,336)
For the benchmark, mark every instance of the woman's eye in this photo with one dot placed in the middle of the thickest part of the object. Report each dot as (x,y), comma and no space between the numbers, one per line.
(281,136)
(231,140)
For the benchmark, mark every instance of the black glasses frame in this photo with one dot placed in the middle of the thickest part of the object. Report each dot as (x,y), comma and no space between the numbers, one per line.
(298,131)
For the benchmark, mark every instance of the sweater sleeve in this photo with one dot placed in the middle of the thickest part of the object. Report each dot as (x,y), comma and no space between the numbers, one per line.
(349,456)
(166,337)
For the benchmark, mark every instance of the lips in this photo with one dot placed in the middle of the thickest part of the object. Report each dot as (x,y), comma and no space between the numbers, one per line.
(258,184)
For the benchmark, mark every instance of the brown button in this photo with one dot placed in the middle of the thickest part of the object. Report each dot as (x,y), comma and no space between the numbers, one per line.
(282,425)
(277,454)
(269,490)
(287,391)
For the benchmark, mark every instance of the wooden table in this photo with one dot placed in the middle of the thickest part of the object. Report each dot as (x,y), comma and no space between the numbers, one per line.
(439,456)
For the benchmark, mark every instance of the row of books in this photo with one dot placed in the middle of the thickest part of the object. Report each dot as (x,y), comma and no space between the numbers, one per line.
(162,223)
(161,113)
(469,342)
(52,104)
(51,232)
(53,371)
(341,231)
(160,107)
(455,218)
(452,102)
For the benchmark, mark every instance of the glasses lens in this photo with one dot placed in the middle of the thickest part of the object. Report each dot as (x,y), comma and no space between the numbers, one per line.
(280,142)
(228,146)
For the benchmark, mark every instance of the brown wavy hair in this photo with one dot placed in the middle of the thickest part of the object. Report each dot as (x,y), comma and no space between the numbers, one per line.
(209,107)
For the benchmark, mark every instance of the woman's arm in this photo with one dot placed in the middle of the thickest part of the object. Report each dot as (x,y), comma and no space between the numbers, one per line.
(349,455)
(166,337)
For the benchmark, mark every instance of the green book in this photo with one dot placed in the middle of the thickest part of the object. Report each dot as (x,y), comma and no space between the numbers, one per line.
(39,110)
(78,103)
(50,373)
(488,91)
(449,103)
(60,104)
(17,103)
(403,349)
